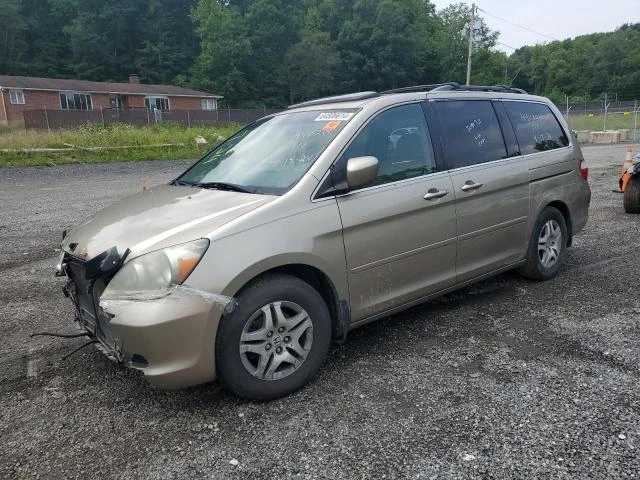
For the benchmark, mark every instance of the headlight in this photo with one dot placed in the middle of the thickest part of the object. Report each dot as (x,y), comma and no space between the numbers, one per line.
(153,274)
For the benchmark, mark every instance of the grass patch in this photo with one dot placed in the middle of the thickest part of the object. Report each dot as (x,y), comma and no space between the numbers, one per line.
(615,121)
(117,135)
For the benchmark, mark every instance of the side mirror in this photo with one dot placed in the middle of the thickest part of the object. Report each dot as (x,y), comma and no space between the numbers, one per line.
(361,171)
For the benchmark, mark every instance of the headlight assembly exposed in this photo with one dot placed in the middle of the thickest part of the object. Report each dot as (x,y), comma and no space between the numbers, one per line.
(153,274)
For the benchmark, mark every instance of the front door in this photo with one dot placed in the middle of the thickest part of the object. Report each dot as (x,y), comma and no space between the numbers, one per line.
(490,186)
(400,231)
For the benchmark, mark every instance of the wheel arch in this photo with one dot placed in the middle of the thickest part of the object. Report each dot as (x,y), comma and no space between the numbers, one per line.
(338,306)
(566,213)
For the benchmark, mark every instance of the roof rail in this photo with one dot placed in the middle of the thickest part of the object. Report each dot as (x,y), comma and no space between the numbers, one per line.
(349,97)
(447,87)
(419,88)
(490,88)
(433,87)
(456,87)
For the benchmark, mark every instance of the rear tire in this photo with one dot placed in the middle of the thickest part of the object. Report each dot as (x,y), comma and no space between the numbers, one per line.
(547,246)
(275,340)
(631,200)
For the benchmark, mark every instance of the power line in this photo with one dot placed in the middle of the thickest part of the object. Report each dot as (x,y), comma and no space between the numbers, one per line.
(505,45)
(517,25)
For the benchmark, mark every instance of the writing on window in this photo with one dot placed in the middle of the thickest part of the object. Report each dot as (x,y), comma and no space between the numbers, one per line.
(472,132)
(536,127)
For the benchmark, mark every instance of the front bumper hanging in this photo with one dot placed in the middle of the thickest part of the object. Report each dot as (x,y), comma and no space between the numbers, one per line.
(86,282)
(170,338)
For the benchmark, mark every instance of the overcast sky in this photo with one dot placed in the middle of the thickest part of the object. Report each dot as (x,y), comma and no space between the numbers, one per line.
(558,19)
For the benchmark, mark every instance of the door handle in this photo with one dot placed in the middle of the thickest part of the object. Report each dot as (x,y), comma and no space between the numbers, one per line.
(434,193)
(470,185)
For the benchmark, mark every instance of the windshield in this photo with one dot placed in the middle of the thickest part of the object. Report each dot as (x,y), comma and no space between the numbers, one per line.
(270,155)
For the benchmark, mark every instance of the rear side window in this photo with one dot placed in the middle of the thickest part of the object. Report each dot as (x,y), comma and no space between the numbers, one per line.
(537,129)
(471,132)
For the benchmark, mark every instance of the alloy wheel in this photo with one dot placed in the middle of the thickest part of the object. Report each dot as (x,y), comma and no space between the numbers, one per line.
(550,243)
(276,340)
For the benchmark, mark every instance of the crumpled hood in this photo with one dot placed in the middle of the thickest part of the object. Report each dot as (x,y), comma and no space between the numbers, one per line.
(163,216)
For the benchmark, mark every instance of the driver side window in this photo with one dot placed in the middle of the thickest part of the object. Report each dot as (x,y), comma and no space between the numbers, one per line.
(400,140)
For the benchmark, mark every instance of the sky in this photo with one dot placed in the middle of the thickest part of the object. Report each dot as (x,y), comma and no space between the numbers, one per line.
(552,19)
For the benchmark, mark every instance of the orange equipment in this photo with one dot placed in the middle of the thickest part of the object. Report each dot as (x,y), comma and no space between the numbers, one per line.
(624,174)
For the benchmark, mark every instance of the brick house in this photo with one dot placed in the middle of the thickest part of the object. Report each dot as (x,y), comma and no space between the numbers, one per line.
(18,94)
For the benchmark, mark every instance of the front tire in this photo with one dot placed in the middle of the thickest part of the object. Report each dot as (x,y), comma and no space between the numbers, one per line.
(275,340)
(547,246)
(631,200)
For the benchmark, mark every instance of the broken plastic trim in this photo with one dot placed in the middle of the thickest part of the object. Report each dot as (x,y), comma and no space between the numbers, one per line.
(59,335)
(90,342)
(106,264)
(128,308)
(173,293)
(87,279)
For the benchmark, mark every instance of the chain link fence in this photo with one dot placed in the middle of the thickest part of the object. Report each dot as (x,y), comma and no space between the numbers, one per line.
(606,114)
(592,115)
(141,117)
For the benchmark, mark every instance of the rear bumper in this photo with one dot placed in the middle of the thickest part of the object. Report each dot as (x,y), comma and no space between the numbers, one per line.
(580,210)
(170,339)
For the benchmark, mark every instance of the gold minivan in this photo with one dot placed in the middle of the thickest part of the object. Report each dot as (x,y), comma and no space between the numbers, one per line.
(319,219)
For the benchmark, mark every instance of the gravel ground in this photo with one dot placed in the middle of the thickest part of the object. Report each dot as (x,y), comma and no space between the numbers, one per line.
(504,379)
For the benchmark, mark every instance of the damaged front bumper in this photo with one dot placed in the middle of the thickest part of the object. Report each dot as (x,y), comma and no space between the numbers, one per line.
(170,338)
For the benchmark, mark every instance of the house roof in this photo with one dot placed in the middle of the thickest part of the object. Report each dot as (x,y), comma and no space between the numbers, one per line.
(59,84)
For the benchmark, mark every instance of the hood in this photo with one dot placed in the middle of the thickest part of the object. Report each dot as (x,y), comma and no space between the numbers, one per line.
(157,218)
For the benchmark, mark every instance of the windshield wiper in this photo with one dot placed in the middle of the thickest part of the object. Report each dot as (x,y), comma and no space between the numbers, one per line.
(182,184)
(232,187)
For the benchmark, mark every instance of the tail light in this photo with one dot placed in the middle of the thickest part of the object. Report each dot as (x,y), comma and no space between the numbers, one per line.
(584,170)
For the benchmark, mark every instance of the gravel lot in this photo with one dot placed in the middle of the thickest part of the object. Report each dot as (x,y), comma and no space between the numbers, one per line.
(505,379)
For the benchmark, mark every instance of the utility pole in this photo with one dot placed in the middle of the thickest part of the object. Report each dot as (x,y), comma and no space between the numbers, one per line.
(472,22)
(506,64)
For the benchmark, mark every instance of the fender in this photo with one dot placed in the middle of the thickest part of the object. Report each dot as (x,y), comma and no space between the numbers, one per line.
(340,306)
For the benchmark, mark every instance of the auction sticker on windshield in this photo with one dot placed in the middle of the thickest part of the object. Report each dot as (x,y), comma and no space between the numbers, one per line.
(332,125)
(329,116)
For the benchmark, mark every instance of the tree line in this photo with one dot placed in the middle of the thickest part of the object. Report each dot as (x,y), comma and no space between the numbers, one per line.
(584,68)
(275,52)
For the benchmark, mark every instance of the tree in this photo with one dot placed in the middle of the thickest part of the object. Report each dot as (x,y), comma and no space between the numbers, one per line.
(382,43)
(312,62)
(453,37)
(274,52)
(169,43)
(272,27)
(12,36)
(225,52)
(586,66)
(105,37)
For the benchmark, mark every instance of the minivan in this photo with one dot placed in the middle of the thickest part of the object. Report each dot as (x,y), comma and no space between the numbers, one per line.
(321,218)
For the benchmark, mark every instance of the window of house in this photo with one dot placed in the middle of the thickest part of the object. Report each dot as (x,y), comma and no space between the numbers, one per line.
(208,104)
(75,101)
(471,132)
(537,129)
(116,101)
(16,96)
(157,103)
(400,140)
